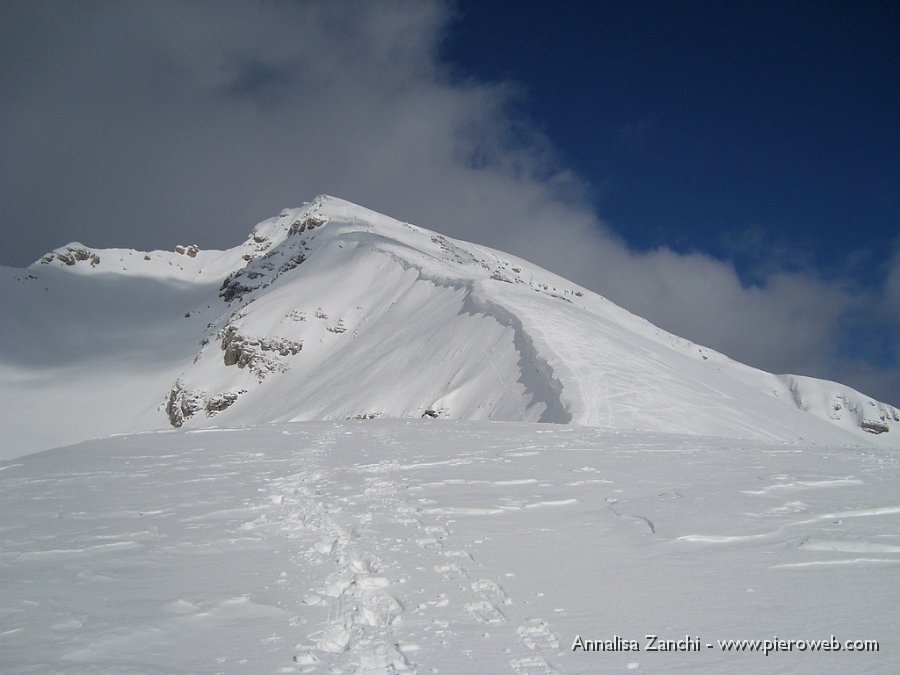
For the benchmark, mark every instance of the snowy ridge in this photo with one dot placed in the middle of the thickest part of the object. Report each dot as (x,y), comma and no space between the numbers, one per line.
(333,311)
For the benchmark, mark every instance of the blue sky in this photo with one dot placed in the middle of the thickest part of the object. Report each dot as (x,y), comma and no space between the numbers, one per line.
(759,132)
(727,170)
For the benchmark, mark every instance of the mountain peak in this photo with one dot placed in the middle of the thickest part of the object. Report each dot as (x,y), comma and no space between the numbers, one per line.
(333,311)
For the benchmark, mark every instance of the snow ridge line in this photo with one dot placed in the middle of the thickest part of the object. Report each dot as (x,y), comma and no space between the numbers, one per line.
(536,373)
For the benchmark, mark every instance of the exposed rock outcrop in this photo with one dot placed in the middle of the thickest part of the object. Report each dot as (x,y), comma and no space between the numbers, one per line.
(308,223)
(72,255)
(262,355)
(184,403)
(875,426)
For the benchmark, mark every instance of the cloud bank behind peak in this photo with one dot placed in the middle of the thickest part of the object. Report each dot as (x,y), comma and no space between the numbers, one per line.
(144,125)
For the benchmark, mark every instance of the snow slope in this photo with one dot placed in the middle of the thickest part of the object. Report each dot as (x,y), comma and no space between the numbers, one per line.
(386,546)
(332,311)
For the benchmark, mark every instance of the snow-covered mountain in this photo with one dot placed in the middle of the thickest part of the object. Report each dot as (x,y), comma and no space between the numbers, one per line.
(698,502)
(332,311)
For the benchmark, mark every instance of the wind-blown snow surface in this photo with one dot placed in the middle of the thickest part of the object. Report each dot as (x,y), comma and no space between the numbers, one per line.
(439,546)
(332,311)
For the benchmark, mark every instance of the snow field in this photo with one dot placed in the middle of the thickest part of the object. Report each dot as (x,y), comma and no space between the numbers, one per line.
(436,546)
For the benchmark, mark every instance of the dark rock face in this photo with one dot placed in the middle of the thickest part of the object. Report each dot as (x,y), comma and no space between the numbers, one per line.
(268,263)
(232,288)
(255,276)
(308,223)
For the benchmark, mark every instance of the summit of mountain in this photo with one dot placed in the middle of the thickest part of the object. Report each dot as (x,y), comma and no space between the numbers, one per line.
(334,311)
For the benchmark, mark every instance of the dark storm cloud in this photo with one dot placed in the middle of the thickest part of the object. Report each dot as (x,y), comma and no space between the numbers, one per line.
(148,124)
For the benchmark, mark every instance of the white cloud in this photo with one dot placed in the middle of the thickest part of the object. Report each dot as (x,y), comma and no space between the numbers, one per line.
(145,124)
(892,288)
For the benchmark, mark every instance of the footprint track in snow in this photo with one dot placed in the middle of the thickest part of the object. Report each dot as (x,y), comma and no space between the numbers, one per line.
(537,636)
(491,591)
(533,664)
(485,612)
(451,571)
(357,633)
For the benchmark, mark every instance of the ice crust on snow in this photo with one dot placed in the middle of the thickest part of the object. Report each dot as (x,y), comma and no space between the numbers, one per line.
(333,311)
